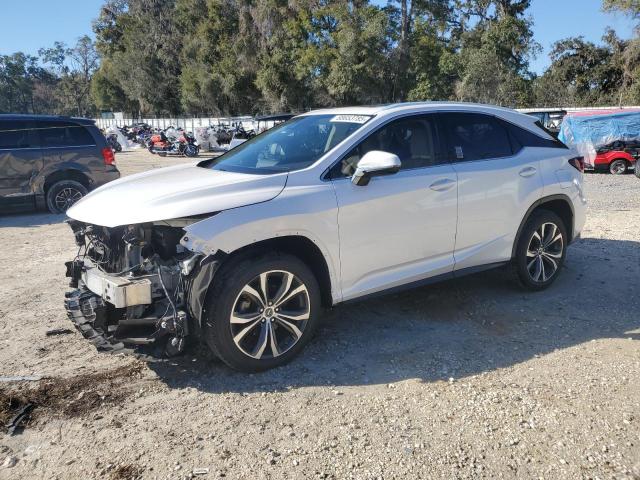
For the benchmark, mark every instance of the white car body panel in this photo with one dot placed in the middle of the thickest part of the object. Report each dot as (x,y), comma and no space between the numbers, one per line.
(493,197)
(302,210)
(394,231)
(173,192)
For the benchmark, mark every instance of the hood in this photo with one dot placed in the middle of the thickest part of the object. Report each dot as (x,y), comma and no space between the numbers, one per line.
(174,192)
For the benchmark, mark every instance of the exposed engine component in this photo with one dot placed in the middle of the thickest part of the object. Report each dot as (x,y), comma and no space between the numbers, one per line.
(130,287)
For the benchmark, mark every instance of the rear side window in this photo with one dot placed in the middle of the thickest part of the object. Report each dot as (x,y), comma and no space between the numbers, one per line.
(16,135)
(524,138)
(474,136)
(64,134)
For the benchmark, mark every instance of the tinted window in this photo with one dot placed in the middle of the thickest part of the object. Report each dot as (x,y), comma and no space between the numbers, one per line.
(475,136)
(291,145)
(412,139)
(16,135)
(64,134)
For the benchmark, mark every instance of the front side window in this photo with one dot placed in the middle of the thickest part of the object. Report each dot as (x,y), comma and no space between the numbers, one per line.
(474,136)
(412,139)
(16,135)
(292,145)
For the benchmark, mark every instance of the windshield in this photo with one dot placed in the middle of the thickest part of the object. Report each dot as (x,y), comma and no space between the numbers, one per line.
(292,145)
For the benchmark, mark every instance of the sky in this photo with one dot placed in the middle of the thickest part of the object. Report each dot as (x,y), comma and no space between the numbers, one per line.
(28,25)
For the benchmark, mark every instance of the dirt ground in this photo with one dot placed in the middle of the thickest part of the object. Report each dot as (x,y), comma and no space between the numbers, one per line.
(467,379)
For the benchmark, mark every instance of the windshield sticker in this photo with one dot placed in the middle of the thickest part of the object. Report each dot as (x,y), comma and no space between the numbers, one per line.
(351,118)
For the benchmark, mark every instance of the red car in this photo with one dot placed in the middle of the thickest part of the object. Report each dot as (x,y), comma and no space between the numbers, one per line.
(615,161)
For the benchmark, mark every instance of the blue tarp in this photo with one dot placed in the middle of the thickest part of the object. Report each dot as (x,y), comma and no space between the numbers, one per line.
(589,130)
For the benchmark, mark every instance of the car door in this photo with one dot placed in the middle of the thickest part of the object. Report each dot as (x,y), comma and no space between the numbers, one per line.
(399,228)
(497,182)
(20,162)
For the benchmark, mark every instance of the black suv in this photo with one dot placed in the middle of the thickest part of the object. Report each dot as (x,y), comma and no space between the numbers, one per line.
(51,161)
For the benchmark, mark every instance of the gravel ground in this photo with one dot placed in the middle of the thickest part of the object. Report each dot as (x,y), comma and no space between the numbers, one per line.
(466,379)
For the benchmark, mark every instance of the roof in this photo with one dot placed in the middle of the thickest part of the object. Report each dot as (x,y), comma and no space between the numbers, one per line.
(51,118)
(395,107)
(275,117)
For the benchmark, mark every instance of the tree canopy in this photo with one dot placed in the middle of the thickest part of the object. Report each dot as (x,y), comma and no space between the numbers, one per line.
(227,57)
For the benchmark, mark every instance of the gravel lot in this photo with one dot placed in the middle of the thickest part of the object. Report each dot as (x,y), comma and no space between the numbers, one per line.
(467,379)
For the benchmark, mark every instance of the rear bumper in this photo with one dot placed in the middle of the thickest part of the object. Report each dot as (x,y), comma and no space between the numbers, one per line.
(100,178)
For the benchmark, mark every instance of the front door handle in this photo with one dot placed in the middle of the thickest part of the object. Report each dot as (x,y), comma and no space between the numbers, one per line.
(442,185)
(527,172)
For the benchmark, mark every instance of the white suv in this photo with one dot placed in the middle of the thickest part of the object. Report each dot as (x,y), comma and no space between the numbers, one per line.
(244,250)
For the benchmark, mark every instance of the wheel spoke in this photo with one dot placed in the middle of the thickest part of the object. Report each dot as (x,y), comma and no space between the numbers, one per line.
(264,288)
(557,255)
(244,319)
(250,291)
(549,238)
(295,317)
(289,326)
(287,280)
(554,240)
(544,273)
(538,269)
(536,235)
(275,351)
(262,341)
(291,294)
(243,333)
(551,261)
(531,253)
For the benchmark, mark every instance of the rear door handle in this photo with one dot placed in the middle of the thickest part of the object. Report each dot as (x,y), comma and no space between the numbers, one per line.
(527,172)
(442,185)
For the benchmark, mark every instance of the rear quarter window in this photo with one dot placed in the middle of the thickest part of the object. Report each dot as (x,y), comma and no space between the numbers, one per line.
(64,134)
(524,138)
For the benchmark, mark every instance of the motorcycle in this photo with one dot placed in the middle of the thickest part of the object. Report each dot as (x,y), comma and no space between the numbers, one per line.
(185,145)
(112,141)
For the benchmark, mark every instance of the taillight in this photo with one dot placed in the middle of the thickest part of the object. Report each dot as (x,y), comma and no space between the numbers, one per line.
(109,157)
(577,163)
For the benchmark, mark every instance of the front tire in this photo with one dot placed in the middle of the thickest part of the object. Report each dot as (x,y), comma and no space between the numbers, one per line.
(541,250)
(618,167)
(261,311)
(191,151)
(63,194)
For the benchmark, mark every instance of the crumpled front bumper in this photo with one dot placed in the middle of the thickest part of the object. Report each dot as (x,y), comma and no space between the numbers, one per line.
(85,309)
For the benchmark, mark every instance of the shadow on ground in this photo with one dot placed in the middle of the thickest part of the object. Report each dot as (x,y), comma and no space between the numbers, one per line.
(455,329)
(34,219)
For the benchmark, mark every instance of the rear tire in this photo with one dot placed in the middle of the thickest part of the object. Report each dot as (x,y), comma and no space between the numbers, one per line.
(541,250)
(63,194)
(618,167)
(250,334)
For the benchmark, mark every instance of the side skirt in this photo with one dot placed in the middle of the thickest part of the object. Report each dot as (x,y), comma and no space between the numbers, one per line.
(427,281)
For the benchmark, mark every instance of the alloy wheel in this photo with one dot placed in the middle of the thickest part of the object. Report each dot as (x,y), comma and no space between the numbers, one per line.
(270,314)
(66,197)
(544,252)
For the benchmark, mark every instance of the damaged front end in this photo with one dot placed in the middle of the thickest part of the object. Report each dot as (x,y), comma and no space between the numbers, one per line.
(136,288)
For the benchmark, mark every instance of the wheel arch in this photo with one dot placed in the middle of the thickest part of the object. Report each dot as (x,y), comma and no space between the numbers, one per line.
(559,204)
(299,246)
(68,174)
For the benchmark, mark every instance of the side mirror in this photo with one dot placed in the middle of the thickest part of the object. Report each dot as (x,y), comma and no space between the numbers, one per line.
(373,164)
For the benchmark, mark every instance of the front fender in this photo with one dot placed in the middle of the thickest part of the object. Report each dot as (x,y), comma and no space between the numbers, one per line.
(307,211)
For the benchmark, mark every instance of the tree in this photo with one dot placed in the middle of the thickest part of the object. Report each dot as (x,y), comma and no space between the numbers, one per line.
(73,68)
(495,52)
(19,74)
